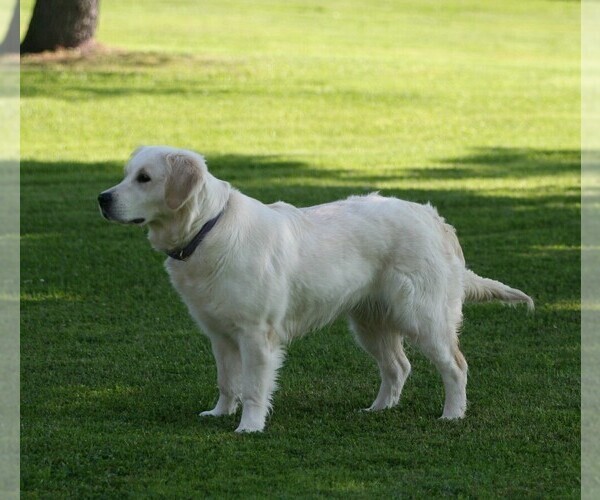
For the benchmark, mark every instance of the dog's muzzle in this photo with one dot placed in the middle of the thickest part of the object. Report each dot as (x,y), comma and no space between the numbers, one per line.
(105,202)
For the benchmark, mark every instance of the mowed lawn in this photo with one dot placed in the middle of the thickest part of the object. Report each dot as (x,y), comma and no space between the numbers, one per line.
(471,105)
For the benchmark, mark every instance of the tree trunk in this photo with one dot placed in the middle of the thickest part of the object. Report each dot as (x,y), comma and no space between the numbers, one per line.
(10,45)
(59,24)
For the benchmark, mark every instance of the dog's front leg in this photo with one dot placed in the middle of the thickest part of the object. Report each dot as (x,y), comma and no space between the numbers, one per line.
(229,372)
(262,356)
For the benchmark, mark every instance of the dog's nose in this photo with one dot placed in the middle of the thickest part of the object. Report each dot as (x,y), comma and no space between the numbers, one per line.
(104,199)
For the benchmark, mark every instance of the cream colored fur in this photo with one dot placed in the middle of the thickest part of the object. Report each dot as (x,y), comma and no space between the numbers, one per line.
(267,274)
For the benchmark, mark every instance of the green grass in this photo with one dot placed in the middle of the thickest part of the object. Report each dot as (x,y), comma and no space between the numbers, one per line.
(473,106)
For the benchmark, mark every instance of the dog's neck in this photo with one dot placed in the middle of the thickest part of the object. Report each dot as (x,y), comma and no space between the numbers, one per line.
(179,229)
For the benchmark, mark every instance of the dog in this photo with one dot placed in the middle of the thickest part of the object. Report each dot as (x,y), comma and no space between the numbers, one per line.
(256,276)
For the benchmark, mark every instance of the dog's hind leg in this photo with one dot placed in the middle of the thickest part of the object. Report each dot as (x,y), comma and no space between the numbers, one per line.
(262,355)
(453,368)
(386,347)
(437,338)
(229,372)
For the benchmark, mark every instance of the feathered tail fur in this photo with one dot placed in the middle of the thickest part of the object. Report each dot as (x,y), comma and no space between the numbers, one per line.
(478,289)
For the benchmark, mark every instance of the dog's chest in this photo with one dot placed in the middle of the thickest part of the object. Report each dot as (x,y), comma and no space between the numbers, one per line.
(202,295)
(191,282)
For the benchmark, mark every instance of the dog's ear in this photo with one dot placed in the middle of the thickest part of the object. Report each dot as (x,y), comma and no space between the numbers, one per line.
(184,177)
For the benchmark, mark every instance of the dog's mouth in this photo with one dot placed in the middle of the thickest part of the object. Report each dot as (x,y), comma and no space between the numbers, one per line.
(110,217)
(105,213)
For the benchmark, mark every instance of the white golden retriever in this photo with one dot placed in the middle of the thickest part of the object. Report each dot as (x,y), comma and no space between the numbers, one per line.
(255,276)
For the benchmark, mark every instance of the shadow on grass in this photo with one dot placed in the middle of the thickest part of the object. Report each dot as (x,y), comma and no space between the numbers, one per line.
(109,82)
(274,178)
(69,189)
(517,235)
(118,73)
(126,308)
(502,162)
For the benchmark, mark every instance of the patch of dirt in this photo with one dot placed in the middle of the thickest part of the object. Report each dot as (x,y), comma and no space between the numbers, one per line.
(97,54)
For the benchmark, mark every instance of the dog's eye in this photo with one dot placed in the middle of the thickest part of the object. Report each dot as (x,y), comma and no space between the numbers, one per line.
(142,177)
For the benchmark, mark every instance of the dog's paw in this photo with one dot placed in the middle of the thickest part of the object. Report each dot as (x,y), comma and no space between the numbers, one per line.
(210,413)
(242,429)
(217,412)
(453,416)
(222,408)
(376,407)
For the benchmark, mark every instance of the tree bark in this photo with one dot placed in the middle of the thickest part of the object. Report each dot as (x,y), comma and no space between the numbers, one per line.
(10,45)
(59,24)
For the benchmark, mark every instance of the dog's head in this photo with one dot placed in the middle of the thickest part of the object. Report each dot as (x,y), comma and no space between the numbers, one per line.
(158,181)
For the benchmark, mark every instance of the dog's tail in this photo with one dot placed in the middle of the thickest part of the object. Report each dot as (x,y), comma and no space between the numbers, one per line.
(478,289)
